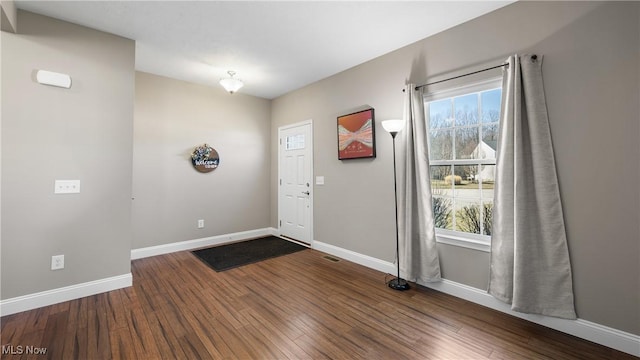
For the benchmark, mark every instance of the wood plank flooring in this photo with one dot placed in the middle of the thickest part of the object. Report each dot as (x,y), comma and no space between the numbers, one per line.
(298,306)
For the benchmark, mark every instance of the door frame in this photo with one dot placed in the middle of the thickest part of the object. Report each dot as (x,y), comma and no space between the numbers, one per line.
(311,178)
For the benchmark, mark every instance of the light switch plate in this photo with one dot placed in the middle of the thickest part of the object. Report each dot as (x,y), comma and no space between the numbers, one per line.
(319,180)
(67,187)
(57,262)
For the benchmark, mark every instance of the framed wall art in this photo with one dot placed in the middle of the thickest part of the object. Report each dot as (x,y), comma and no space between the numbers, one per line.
(205,158)
(356,135)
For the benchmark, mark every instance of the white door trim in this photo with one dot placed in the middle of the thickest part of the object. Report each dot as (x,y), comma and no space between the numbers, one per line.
(312,188)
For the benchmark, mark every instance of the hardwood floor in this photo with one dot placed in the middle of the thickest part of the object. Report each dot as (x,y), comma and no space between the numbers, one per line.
(298,306)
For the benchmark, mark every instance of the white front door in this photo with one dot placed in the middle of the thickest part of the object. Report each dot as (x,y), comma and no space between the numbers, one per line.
(295,190)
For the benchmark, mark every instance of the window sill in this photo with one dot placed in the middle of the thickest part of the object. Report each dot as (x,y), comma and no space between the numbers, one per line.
(463,242)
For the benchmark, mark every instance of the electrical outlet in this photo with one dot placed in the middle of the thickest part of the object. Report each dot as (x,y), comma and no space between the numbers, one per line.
(57,262)
(67,187)
(200,224)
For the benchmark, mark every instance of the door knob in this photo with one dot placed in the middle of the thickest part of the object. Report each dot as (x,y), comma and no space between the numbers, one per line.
(306,192)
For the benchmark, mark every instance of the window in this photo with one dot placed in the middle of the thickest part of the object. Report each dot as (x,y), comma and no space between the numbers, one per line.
(463,134)
(294,142)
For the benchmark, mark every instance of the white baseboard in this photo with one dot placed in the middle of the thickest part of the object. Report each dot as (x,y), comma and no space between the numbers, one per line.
(355,257)
(55,296)
(600,334)
(198,243)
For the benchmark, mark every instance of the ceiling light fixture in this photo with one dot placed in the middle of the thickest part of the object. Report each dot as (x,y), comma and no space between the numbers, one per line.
(231,84)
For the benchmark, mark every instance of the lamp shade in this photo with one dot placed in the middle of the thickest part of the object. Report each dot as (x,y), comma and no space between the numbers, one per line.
(393,126)
(231,84)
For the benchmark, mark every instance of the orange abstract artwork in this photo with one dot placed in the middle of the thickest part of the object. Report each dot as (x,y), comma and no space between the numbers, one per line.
(356,135)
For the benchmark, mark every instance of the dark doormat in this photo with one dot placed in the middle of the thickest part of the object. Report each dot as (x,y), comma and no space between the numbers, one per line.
(230,256)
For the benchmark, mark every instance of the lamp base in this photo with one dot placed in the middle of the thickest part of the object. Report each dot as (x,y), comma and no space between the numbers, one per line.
(399,284)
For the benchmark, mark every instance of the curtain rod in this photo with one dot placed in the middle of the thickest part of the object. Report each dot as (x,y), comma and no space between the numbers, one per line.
(534,57)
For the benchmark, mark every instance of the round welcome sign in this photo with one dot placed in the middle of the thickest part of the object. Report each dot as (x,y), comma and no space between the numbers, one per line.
(205,158)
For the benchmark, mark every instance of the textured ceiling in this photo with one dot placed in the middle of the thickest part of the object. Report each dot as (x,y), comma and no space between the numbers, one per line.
(274,47)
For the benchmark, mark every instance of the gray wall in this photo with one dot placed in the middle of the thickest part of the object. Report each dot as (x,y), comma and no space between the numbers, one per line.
(171,118)
(8,16)
(591,55)
(51,133)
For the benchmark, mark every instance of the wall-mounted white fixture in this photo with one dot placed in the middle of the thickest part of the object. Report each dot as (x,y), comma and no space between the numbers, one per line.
(231,84)
(57,262)
(67,187)
(54,79)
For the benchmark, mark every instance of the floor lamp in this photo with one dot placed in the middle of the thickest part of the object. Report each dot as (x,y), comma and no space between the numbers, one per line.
(392,127)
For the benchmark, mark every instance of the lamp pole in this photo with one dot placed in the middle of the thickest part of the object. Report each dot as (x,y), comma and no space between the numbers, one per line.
(397,283)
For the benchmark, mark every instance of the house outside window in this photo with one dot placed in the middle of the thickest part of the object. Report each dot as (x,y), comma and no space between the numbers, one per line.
(462,138)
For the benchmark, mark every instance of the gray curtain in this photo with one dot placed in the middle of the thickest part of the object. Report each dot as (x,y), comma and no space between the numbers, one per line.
(416,229)
(530,267)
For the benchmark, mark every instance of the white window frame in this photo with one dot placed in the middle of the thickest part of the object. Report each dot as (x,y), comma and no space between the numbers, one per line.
(451,237)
